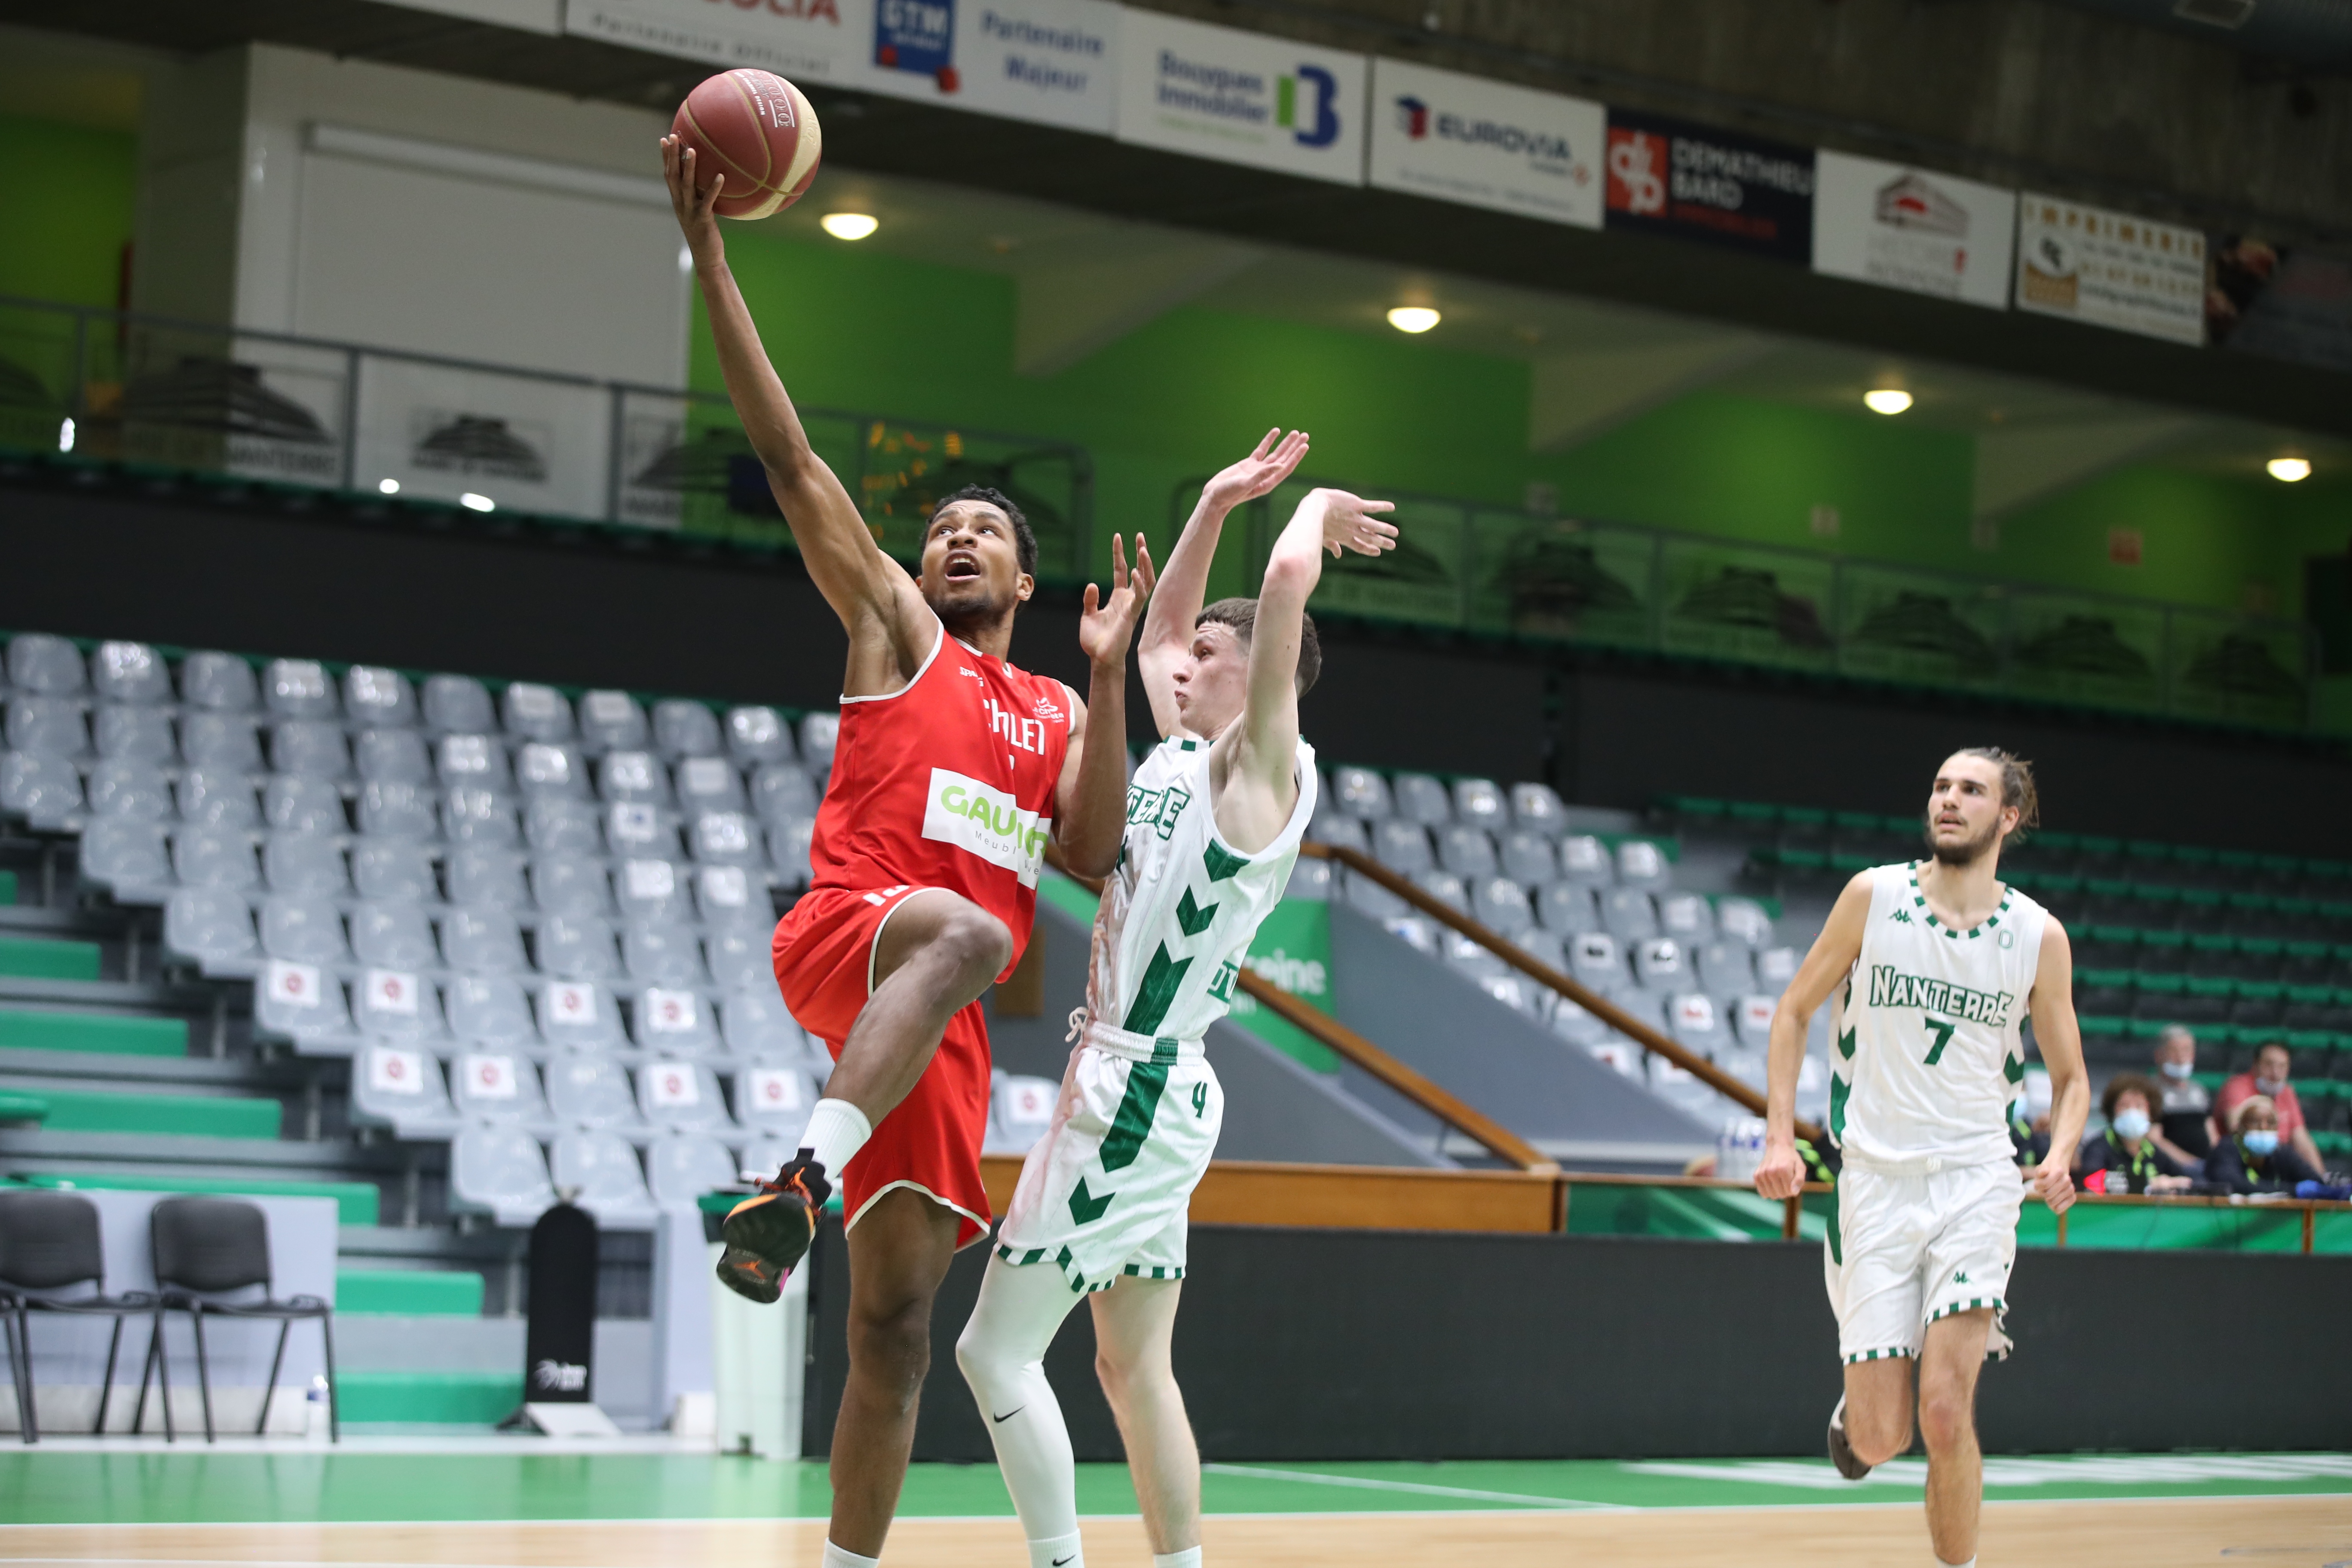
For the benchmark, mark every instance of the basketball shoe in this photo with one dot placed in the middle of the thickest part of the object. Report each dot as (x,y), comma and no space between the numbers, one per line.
(769,1231)
(1841,1452)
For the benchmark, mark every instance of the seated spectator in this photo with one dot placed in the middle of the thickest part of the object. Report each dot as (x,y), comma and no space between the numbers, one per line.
(2253,1158)
(2129,1157)
(2181,1128)
(2268,1080)
(2029,1120)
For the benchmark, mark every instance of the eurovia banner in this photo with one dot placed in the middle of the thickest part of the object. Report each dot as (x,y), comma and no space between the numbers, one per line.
(1668,177)
(1240,97)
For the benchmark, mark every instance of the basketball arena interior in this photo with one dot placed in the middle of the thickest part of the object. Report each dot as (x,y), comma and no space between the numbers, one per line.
(418,715)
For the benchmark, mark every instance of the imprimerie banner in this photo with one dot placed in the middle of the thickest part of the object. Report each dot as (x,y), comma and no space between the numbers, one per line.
(1913,229)
(1240,97)
(1485,144)
(1667,177)
(2110,269)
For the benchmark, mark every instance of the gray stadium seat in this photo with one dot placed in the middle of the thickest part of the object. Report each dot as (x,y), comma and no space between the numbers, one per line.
(1363,893)
(724,837)
(706,783)
(586,1090)
(46,664)
(476,816)
(1595,960)
(1727,968)
(1574,1025)
(1470,957)
(818,733)
(218,682)
(119,786)
(1310,880)
(299,689)
(783,791)
(1641,864)
(633,777)
(1585,860)
(1530,857)
(1629,914)
(131,673)
(217,797)
(136,734)
(611,721)
(497,1086)
(1420,798)
(1659,965)
(756,1022)
(482,942)
(307,930)
(305,863)
(394,809)
(50,725)
(1361,794)
(1465,851)
(740,957)
(42,788)
(1020,1110)
(544,771)
(1481,803)
(682,1166)
(560,827)
(727,896)
(1567,909)
(683,1096)
(1776,966)
(1686,917)
(458,704)
(684,729)
(674,1022)
(570,885)
(763,1157)
(536,712)
(757,736)
(299,1002)
(291,805)
(1329,827)
(1444,887)
(392,936)
(1751,1020)
(401,1087)
(663,955)
(651,892)
(374,695)
(1402,846)
(577,947)
(1694,1019)
(1517,992)
(1538,808)
(635,827)
(394,868)
(476,762)
(486,877)
(128,855)
(789,845)
(210,927)
(776,1097)
(1503,904)
(579,1015)
(397,1004)
(220,858)
(500,1172)
(1744,921)
(226,742)
(609,1182)
(489,1010)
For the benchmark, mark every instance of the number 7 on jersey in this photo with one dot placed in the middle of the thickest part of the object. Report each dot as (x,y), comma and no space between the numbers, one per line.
(1942,1029)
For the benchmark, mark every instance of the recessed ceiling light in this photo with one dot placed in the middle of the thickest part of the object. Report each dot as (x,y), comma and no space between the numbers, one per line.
(1886,400)
(1413,317)
(2289,470)
(389,487)
(473,502)
(849,226)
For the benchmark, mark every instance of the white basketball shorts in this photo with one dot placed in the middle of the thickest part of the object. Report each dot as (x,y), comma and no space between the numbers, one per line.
(1903,1251)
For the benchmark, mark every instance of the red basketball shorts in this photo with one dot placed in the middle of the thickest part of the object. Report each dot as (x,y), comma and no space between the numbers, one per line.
(929,1141)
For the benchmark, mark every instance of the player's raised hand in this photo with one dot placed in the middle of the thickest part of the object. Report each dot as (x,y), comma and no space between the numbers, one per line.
(2053,1184)
(1348,523)
(1275,459)
(696,210)
(1106,627)
(1782,1173)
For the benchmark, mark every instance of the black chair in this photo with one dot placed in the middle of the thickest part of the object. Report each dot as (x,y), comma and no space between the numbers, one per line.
(50,1241)
(208,1246)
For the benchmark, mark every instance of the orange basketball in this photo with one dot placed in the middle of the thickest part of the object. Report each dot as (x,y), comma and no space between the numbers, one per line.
(757,130)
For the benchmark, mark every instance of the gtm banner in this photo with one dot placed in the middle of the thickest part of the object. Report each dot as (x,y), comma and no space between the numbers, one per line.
(1240,97)
(1048,60)
(1666,176)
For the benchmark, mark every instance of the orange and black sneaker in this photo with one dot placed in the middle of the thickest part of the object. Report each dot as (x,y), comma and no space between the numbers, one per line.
(767,1233)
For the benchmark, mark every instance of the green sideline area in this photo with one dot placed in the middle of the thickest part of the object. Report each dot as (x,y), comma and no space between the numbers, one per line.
(175,1115)
(487,1483)
(409,1292)
(34,959)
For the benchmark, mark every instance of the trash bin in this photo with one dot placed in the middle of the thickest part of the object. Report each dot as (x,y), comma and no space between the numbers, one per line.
(758,1354)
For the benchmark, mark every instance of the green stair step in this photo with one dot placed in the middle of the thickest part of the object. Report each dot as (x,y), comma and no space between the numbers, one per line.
(409,1292)
(356,1202)
(24,1030)
(444,1398)
(7,887)
(33,959)
(15,1107)
(177,1115)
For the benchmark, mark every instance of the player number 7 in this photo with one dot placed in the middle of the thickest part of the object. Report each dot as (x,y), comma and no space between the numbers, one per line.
(1942,1029)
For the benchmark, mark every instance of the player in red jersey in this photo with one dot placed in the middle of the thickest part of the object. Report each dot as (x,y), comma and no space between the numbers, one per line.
(951,771)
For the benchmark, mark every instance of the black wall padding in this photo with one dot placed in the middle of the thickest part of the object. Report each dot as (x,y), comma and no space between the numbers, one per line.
(1332,1344)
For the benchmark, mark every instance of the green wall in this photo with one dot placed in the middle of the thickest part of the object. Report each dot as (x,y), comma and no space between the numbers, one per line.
(68,194)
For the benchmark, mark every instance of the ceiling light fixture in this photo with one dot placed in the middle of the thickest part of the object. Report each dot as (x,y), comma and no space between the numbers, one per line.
(389,487)
(1886,400)
(1413,317)
(473,502)
(849,226)
(2289,470)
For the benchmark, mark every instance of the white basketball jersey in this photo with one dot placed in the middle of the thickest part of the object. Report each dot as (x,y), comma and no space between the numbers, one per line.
(1926,1044)
(1177,917)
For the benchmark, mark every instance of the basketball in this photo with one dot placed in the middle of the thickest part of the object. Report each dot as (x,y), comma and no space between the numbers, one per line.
(758,131)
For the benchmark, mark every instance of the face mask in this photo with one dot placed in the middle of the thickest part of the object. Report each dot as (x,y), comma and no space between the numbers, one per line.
(2261,1142)
(2268,1087)
(2131,1123)
(2177,1070)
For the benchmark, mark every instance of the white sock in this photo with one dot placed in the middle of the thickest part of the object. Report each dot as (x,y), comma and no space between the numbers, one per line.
(1972,1562)
(835,1557)
(836,1131)
(1062,1551)
(1188,1558)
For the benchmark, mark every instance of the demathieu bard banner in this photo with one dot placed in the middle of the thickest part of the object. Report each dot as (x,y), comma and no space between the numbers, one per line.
(1666,176)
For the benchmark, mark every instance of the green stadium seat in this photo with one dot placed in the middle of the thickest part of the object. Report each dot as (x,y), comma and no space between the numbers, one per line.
(1752,813)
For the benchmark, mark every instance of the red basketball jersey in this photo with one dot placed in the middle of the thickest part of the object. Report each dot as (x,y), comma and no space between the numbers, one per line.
(947,783)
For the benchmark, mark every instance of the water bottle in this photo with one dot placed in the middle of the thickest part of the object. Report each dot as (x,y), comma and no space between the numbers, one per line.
(314,1406)
(1739,1148)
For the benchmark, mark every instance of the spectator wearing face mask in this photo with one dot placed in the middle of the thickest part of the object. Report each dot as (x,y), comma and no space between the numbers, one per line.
(2127,1157)
(2181,1128)
(2268,1080)
(2253,1158)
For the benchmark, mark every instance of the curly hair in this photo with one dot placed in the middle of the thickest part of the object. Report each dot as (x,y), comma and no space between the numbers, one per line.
(1025,538)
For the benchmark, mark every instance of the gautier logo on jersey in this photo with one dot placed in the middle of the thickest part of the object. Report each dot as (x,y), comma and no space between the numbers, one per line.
(1485,144)
(1889,987)
(987,822)
(1243,98)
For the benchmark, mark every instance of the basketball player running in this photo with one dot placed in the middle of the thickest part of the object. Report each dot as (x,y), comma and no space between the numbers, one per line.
(1214,821)
(1934,965)
(952,769)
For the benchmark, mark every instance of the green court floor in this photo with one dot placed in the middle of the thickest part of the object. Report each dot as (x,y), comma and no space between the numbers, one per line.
(147,1485)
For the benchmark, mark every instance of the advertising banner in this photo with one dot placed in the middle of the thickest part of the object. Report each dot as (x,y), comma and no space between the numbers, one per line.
(1485,144)
(2110,269)
(1240,97)
(1052,61)
(1912,229)
(1665,177)
(802,40)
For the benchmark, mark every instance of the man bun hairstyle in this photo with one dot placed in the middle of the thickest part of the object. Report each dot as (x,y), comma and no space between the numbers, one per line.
(2016,786)
(1025,538)
(1241,615)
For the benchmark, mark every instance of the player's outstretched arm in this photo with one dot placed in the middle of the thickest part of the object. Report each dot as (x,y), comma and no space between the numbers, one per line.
(1184,586)
(2060,1037)
(861,583)
(1090,799)
(1782,1171)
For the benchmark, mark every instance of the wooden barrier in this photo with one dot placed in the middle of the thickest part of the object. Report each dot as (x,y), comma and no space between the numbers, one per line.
(1351,1197)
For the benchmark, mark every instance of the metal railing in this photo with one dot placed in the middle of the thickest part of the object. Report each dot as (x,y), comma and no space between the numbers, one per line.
(277,408)
(1466,566)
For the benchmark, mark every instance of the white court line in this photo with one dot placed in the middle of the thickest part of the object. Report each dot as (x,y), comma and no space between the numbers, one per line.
(1425,1488)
